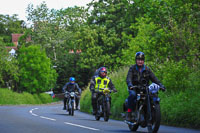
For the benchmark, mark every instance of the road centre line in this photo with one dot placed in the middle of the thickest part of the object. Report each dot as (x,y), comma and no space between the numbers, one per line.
(31,111)
(47,118)
(81,126)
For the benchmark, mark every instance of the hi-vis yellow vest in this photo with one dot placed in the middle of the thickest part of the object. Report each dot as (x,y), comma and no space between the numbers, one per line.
(101,83)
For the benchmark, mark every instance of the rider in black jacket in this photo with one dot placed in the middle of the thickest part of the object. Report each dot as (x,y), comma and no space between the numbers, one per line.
(71,86)
(137,74)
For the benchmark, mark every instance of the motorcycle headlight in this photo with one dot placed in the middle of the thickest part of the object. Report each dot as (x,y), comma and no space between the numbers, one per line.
(154,88)
(72,94)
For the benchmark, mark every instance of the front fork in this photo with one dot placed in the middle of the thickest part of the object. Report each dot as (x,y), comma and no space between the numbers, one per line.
(70,103)
(149,118)
(149,109)
(106,99)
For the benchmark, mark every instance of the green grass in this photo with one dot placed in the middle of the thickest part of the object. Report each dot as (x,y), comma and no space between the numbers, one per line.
(8,97)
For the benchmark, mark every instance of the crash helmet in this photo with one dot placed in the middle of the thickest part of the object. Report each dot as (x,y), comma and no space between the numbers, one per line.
(72,79)
(139,55)
(103,72)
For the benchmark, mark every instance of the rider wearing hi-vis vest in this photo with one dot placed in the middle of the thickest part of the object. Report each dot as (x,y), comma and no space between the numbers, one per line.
(97,83)
(101,83)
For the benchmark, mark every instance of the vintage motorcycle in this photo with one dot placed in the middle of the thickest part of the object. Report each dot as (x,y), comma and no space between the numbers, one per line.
(147,112)
(70,102)
(103,104)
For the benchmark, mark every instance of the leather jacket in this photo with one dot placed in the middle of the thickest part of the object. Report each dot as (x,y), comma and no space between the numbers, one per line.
(71,87)
(135,77)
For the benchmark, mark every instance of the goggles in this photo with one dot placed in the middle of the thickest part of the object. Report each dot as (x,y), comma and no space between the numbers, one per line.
(103,71)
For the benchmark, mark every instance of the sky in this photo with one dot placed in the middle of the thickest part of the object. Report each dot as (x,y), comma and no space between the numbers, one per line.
(10,7)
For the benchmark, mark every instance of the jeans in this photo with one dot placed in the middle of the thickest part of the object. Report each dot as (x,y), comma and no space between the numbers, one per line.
(132,99)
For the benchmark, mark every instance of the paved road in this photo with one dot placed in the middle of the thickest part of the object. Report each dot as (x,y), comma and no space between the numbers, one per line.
(52,119)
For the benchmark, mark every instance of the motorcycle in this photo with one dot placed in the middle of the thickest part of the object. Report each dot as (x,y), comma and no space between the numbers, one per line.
(103,104)
(70,102)
(147,112)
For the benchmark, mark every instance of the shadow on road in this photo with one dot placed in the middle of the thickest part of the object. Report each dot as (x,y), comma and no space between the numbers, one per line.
(62,114)
(124,131)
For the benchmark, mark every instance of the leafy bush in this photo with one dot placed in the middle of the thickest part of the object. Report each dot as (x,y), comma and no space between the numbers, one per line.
(182,109)
(85,101)
(13,98)
(36,72)
(174,75)
(119,80)
(9,44)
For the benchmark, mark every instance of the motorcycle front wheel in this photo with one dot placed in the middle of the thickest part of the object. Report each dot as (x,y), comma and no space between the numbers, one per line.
(107,111)
(156,118)
(97,117)
(72,109)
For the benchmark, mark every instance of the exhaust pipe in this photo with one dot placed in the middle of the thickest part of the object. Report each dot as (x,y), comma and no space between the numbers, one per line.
(130,123)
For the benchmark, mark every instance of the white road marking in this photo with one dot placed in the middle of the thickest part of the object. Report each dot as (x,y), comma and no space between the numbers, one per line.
(47,118)
(81,126)
(31,111)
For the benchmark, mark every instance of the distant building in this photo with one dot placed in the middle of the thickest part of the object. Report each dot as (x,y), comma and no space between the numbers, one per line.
(15,38)
(78,51)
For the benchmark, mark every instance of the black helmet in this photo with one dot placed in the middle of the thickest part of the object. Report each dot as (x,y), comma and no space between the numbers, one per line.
(139,55)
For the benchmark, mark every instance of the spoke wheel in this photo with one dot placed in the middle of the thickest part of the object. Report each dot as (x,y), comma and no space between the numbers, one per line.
(156,118)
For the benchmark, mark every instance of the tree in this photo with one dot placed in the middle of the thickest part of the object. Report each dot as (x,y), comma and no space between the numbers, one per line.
(55,31)
(8,69)
(36,72)
(166,30)
(9,25)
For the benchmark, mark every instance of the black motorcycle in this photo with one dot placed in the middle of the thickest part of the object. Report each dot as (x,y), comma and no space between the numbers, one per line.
(103,104)
(147,112)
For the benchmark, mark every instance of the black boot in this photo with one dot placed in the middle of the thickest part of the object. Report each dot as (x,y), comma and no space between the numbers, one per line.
(129,116)
(94,112)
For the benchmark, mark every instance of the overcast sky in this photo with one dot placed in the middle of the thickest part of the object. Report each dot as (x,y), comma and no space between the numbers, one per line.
(10,7)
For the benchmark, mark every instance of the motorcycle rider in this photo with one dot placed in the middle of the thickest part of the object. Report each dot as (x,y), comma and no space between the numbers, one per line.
(100,81)
(71,86)
(136,75)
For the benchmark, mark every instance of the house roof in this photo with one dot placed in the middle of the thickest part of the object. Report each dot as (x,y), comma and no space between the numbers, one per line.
(15,37)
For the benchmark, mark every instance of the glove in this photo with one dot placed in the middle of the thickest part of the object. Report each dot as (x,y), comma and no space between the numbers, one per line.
(114,90)
(163,89)
(132,87)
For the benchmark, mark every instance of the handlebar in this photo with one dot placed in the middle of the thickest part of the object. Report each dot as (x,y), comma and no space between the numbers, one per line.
(67,92)
(163,89)
(104,90)
(142,87)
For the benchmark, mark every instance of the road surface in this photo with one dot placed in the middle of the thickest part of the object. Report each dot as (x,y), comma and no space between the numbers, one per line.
(52,119)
